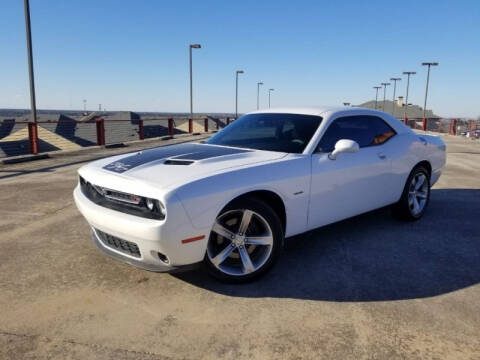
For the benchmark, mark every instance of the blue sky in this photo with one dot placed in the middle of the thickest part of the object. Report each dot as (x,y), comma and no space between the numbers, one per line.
(133,55)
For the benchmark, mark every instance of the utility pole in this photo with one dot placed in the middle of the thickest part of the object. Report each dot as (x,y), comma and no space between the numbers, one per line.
(376,95)
(408,73)
(236,92)
(384,94)
(28,29)
(429,64)
(258,94)
(84,105)
(192,46)
(269,92)
(394,90)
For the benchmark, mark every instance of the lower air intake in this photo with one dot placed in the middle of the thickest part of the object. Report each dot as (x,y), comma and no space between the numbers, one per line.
(118,244)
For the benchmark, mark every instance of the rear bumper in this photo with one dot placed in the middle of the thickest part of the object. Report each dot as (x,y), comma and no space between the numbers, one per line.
(435,176)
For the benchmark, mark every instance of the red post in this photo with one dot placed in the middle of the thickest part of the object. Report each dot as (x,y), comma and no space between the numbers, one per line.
(170,126)
(228,120)
(424,124)
(141,132)
(33,138)
(405,121)
(453,127)
(190,126)
(470,126)
(205,124)
(100,131)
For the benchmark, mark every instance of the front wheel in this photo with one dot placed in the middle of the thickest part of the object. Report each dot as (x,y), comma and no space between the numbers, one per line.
(245,241)
(415,196)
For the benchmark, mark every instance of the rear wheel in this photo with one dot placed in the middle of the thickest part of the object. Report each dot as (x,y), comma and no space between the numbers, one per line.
(415,196)
(245,241)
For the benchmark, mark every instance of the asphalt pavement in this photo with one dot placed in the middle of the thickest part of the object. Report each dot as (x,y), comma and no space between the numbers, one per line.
(370,287)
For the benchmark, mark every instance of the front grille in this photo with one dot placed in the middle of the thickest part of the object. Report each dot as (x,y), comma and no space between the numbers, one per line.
(120,201)
(116,243)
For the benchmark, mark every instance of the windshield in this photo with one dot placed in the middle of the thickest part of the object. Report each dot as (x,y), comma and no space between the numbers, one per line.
(288,133)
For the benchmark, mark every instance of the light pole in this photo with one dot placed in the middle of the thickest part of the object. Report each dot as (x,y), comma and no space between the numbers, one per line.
(394,90)
(258,94)
(236,91)
(28,30)
(269,92)
(384,94)
(192,46)
(84,105)
(376,95)
(408,73)
(429,64)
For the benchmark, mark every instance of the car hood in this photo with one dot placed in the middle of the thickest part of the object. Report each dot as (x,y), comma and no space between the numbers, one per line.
(174,165)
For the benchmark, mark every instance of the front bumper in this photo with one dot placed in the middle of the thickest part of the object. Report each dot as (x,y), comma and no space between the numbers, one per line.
(160,267)
(152,237)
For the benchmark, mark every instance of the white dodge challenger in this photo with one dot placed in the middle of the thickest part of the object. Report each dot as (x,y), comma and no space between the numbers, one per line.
(230,202)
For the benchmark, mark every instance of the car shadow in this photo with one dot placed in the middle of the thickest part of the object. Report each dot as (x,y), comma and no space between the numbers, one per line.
(374,257)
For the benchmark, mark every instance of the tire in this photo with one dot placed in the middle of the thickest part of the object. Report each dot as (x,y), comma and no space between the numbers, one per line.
(245,241)
(414,201)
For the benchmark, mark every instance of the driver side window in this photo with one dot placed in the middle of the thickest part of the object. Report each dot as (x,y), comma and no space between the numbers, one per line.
(365,130)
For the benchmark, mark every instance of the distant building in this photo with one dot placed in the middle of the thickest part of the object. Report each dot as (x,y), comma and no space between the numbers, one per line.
(123,115)
(413,111)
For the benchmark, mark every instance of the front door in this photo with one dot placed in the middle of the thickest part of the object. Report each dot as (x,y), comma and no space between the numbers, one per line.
(354,183)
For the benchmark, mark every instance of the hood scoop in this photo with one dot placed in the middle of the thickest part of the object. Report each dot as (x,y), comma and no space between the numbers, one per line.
(178,162)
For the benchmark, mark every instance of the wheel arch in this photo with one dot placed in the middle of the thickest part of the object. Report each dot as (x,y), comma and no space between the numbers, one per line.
(270,198)
(426,164)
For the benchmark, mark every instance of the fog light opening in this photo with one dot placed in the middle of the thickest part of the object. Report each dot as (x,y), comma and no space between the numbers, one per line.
(163,258)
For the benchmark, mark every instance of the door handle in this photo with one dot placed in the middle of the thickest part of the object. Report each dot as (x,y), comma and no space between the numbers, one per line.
(382,156)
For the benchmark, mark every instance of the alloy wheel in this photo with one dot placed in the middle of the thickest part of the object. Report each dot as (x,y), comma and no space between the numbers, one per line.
(241,242)
(418,193)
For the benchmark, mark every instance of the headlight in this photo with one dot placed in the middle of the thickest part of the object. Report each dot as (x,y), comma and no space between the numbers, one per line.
(150,204)
(155,206)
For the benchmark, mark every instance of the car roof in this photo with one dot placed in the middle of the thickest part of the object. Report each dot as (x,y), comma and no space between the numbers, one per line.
(318,111)
(298,110)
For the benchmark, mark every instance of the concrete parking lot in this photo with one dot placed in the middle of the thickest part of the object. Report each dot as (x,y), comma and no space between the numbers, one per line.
(367,288)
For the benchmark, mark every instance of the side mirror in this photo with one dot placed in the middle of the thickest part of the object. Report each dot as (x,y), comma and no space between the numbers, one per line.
(343,146)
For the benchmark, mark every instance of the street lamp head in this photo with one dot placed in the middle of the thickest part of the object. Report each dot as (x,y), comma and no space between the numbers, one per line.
(377,87)
(195,46)
(385,84)
(409,72)
(271,89)
(240,71)
(260,83)
(395,79)
(429,63)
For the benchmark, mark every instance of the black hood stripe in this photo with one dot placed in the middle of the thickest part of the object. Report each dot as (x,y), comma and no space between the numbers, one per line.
(177,152)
